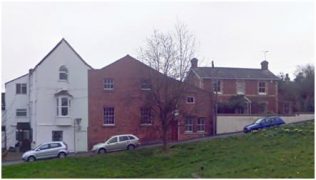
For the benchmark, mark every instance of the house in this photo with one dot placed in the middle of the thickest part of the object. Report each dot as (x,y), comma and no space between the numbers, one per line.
(50,102)
(118,105)
(238,90)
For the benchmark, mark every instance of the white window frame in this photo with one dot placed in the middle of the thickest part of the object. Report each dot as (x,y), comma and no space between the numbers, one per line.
(240,87)
(63,70)
(145,116)
(189,98)
(19,87)
(260,88)
(60,106)
(215,85)
(22,110)
(189,126)
(107,116)
(200,126)
(108,84)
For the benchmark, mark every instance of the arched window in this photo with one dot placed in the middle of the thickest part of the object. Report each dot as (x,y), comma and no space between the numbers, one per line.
(63,73)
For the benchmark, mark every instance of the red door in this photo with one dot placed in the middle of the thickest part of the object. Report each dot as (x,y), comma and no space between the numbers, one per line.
(174,130)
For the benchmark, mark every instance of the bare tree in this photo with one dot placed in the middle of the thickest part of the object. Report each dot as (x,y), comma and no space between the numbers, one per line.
(169,54)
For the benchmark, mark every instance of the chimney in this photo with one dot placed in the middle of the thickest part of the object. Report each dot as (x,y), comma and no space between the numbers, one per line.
(264,65)
(212,64)
(194,63)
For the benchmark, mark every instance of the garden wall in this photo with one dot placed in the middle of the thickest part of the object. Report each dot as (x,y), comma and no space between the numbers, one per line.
(235,123)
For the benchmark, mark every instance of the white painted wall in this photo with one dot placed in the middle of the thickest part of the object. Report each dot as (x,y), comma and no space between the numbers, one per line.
(227,124)
(14,101)
(44,84)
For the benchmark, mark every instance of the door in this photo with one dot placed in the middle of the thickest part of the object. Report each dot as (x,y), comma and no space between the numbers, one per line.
(174,130)
(113,144)
(123,142)
(43,151)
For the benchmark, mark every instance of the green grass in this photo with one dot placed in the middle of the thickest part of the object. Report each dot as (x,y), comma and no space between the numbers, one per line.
(284,152)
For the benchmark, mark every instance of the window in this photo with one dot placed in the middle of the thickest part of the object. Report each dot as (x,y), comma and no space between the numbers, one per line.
(146,85)
(43,147)
(20,88)
(63,73)
(190,100)
(145,116)
(189,124)
(123,138)
(109,116)
(63,106)
(57,135)
(201,124)
(55,145)
(217,86)
(21,113)
(240,85)
(113,140)
(131,137)
(108,84)
(262,88)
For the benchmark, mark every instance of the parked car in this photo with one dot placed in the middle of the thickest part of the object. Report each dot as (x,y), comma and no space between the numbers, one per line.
(262,123)
(118,142)
(47,150)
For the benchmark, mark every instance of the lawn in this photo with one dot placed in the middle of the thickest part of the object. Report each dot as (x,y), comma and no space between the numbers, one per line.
(284,152)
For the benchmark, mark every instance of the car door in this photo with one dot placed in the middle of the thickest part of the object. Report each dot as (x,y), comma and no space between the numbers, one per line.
(54,149)
(42,151)
(113,144)
(123,141)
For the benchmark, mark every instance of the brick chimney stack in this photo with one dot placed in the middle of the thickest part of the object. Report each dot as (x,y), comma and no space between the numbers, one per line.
(264,65)
(194,63)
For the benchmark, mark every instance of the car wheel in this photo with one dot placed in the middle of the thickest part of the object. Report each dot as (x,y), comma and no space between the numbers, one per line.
(31,159)
(130,147)
(102,151)
(61,155)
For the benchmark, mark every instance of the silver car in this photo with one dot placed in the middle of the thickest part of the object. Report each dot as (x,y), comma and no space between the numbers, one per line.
(118,142)
(47,150)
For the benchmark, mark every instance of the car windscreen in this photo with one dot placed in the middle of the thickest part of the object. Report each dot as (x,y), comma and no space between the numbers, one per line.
(258,121)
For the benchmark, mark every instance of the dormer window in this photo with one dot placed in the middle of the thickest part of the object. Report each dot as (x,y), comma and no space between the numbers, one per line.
(63,73)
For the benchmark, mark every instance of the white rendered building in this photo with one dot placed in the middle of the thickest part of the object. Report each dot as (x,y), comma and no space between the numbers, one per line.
(50,103)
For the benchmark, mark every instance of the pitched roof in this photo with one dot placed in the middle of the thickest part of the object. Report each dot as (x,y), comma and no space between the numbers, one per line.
(234,73)
(62,40)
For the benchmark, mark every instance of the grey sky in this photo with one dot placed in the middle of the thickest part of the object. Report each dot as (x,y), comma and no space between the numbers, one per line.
(233,34)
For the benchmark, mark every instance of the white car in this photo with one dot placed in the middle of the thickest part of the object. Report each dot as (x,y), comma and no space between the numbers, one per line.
(118,142)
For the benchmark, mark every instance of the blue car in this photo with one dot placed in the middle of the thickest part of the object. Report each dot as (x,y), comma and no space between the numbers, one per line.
(262,123)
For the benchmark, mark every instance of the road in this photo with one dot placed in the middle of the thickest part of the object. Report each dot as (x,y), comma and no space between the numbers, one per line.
(85,154)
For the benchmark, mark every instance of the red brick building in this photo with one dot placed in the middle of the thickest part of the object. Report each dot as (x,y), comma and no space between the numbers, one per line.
(238,90)
(117,105)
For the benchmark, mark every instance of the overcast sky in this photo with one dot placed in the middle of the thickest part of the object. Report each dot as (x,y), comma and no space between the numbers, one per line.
(232,34)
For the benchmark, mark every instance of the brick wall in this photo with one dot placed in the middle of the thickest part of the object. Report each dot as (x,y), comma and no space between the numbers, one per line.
(127,98)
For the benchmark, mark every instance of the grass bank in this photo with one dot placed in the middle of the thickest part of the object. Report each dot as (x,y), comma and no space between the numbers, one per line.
(284,152)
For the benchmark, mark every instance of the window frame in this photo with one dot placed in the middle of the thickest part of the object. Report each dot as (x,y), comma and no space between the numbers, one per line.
(110,115)
(145,85)
(108,84)
(240,87)
(60,106)
(61,135)
(63,70)
(21,88)
(260,88)
(189,127)
(21,110)
(190,97)
(217,86)
(200,127)
(145,116)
